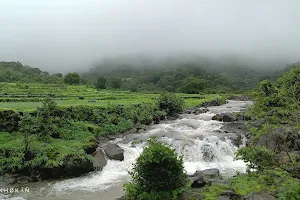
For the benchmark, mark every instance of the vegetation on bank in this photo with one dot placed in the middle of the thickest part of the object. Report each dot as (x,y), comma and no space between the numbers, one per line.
(274,146)
(58,141)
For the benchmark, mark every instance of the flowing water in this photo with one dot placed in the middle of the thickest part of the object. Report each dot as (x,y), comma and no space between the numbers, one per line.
(196,137)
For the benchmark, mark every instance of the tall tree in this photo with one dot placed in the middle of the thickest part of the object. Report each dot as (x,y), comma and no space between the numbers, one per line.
(101,83)
(72,78)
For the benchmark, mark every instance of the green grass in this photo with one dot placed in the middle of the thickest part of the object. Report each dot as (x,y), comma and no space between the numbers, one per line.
(66,96)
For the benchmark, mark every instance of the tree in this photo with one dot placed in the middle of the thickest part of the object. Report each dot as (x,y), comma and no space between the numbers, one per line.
(170,103)
(157,174)
(192,85)
(101,83)
(72,78)
(115,83)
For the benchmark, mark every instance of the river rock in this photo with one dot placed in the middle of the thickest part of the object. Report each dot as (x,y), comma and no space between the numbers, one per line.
(206,177)
(215,102)
(114,152)
(283,138)
(99,160)
(74,166)
(225,117)
(235,127)
(200,110)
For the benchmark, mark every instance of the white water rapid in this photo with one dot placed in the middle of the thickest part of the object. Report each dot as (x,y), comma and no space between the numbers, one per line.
(196,137)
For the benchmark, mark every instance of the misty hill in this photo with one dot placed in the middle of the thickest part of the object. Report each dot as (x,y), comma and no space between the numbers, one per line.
(16,72)
(181,74)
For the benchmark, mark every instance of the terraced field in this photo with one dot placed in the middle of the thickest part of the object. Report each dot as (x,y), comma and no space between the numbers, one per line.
(28,97)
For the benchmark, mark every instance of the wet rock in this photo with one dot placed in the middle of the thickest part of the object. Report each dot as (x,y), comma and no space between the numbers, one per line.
(23,179)
(188,111)
(235,127)
(217,117)
(9,179)
(281,139)
(210,173)
(237,140)
(215,102)
(74,166)
(198,182)
(206,177)
(260,196)
(99,161)
(114,151)
(225,117)
(231,195)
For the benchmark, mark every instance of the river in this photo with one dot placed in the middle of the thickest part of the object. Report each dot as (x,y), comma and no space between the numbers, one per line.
(196,137)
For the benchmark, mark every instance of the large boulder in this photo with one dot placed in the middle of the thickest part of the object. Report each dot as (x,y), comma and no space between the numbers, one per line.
(99,159)
(281,139)
(206,177)
(114,151)
(73,166)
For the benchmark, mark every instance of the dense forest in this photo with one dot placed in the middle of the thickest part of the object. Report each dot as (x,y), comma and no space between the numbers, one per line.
(173,75)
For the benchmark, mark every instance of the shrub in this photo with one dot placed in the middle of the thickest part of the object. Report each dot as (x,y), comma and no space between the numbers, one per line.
(257,157)
(170,103)
(157,174)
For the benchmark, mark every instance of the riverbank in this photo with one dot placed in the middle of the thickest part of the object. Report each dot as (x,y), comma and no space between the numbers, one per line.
(191,131)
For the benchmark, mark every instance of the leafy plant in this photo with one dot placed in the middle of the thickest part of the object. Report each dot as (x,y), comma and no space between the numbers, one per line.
(157,174)
(170,103)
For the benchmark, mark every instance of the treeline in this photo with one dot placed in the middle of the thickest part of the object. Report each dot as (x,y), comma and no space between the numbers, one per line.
(188,76)
(173,75)
(16,72)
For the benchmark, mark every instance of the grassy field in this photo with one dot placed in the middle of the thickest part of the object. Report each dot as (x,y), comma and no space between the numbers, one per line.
(27,97)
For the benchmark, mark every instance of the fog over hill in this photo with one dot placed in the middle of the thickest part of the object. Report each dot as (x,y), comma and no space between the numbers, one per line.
(65,35)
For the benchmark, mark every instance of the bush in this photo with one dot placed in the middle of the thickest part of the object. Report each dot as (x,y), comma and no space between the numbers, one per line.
(257,157)
(170,103)
(157,174)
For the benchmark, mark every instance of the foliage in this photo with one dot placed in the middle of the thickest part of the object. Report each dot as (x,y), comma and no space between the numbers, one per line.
(170,103)
(16,72)
(157,174)
(101,83)
(114,83)
(72,78)
(275,181)
(192,85)
(257,157)
(172,74)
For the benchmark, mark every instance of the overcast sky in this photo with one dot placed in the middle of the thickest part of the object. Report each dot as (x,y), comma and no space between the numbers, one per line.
(61,35)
